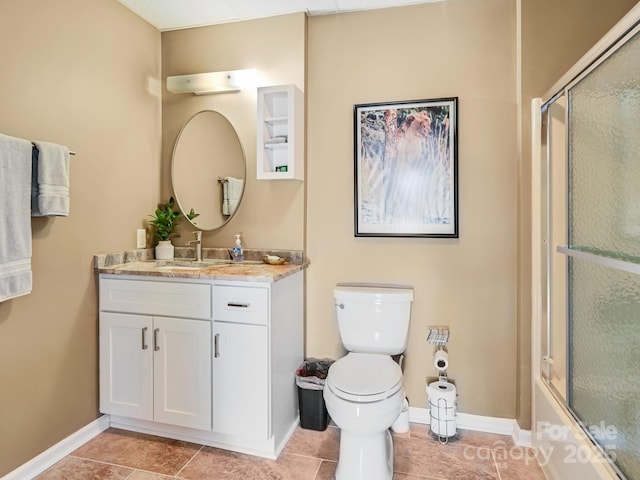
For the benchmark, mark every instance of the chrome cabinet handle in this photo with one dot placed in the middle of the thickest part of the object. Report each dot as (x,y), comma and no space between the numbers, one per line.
(144,334)
(216,345)
(238,305)
(156,347)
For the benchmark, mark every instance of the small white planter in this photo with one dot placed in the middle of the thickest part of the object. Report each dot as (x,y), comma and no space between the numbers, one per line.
(164,250)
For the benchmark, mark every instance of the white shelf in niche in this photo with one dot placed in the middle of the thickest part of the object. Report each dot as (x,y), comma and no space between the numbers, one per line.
(276,119)
(276,146)
(280,115)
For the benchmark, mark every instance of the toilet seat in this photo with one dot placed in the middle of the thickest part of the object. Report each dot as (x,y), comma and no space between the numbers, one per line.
(365,377)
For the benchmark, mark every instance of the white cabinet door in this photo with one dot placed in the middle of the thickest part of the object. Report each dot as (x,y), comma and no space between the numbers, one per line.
(126,365)
(182,372)
(156,368)
(240,380)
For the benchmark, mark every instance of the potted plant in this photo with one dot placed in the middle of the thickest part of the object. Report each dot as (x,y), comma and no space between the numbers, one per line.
(164,221)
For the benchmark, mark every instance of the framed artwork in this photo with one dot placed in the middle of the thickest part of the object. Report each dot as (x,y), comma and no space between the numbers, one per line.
(406,169)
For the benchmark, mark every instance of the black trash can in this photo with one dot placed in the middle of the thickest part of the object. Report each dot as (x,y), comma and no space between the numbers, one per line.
(310,377)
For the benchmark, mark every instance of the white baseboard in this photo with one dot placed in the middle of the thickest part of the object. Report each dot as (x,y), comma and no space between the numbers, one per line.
(523,438)
(479,423)
(57,452)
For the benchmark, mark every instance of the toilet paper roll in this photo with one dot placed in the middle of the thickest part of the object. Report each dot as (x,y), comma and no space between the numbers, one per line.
(442,396)
(441,362)
(442,408)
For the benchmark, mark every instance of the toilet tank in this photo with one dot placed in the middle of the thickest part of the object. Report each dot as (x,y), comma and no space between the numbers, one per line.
(373,318)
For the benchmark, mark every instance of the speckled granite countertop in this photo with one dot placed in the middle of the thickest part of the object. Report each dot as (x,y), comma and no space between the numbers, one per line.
(141,262)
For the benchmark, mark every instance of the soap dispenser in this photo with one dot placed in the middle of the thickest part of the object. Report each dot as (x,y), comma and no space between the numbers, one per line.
(238,255)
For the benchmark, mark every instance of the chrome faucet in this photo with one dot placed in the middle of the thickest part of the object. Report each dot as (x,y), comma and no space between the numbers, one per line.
(198,243)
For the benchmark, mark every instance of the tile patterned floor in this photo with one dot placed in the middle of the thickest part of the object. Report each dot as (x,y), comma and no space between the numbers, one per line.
(309,455)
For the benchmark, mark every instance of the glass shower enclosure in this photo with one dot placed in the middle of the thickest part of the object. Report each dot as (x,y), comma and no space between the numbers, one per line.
(590,335)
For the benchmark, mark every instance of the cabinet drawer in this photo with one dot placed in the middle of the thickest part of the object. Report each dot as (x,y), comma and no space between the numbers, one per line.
(241,304)
(191,300)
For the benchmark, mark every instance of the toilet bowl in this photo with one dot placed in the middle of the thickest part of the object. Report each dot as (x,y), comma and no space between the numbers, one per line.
(364,395)
(363,391)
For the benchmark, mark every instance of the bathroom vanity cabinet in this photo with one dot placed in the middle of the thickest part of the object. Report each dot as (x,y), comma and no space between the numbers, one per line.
(153,366)
(156,368)
(208,361)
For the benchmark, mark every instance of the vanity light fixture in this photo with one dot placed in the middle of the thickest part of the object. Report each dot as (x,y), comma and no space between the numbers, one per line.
(212,82)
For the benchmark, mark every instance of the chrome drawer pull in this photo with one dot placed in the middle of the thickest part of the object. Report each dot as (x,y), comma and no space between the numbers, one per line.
(238,305)
(144,334)
(156,347)
(216,345)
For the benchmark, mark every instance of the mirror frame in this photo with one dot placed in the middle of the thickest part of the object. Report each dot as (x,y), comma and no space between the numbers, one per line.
(173,167)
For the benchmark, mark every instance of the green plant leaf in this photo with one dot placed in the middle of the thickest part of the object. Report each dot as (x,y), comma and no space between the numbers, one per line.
(164,220)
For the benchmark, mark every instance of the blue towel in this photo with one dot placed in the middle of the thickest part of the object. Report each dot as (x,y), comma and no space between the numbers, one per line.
(50,180)
(15,222)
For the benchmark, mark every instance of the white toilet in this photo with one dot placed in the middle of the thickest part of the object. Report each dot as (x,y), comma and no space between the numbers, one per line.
(363,391)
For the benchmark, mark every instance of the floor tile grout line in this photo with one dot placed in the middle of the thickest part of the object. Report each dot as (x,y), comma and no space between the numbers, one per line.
(495,463)
(310,456)
(102,462)
(130,474)
(133,469)
(154,473)
(177,474)
(318,470)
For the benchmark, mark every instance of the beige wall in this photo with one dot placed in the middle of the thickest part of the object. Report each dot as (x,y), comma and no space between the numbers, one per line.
(554,36)
(272,212)
(454,48)
(84,73)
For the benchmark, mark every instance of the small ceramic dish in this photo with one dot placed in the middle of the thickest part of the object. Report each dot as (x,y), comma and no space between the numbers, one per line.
(274,260)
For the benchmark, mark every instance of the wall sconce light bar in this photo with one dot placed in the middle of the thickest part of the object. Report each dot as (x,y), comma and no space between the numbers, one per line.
(212,82)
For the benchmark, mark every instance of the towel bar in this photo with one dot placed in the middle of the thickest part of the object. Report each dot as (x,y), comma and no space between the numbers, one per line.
(71,152)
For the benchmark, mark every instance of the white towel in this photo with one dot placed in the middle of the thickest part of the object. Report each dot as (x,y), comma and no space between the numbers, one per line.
(231,194)
(15,222)
(51,169)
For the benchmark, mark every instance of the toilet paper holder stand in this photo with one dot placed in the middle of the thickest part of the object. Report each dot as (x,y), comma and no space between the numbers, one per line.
(441,411)
(439,337)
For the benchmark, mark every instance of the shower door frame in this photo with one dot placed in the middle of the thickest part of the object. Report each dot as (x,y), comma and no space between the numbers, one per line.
(542,248)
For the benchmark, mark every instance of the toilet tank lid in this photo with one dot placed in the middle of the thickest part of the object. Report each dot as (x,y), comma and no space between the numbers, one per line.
(368,291)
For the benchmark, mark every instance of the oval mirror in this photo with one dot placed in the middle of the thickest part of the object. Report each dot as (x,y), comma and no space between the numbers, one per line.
(208,170)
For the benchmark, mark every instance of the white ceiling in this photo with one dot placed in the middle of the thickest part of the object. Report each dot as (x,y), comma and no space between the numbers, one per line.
(177,14)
